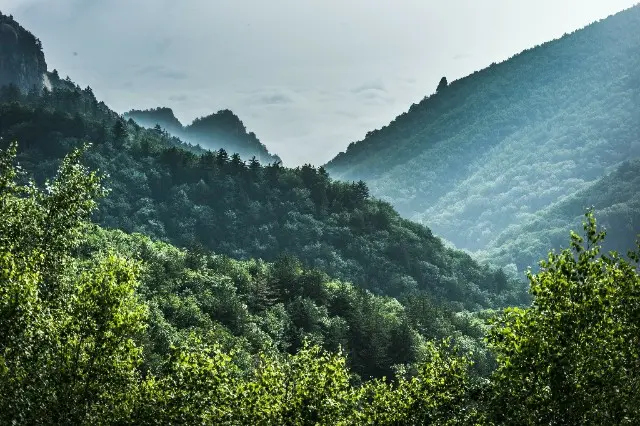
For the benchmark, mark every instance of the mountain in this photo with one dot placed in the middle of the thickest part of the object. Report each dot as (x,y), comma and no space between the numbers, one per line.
(200,199)
(161,116)
(270,256)
(108,328)
(101,326)
(22,61)
(220,130)
(206,200)
(616,199)
(492,150)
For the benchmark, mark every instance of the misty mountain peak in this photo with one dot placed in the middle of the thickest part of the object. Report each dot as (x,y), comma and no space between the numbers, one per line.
(222,129)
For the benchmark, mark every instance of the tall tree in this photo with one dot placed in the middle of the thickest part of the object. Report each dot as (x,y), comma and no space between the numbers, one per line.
(573,356)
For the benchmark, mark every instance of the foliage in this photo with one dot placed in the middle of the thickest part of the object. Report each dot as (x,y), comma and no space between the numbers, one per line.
(255,307)
(102,327)
(107,328)
(616,200)
(73,348)
(68,351)
(573,356)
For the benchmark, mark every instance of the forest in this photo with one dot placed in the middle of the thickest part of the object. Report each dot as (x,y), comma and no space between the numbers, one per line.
(214,200)
(616,199)
(492,152)
(103,327)
(148,280)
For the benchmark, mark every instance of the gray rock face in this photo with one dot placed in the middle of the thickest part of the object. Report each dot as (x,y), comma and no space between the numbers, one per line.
(22,61)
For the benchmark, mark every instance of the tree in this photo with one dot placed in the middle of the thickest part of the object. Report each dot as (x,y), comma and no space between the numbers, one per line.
(439,393)
(237,165)
(119,132)
(254,165)
(68,353)
(222,157)
(361,190)
(573,356)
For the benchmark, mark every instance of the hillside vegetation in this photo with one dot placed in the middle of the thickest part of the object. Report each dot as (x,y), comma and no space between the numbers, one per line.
(105,328)
(149,281)
(616,198)
(213,200)
(496,148)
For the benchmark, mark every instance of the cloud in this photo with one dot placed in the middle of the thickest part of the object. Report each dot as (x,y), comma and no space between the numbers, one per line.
(162,46)
(160,71)
(275,99)
(368,87)
(178,98)
(460,56)
(307,80)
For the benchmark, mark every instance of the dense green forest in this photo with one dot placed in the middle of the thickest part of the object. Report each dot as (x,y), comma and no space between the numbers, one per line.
(101,327)
(213,200)
(615,197)
(222,130)
(495,149)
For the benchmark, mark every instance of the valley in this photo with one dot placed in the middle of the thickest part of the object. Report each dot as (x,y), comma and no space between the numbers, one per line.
(159,273)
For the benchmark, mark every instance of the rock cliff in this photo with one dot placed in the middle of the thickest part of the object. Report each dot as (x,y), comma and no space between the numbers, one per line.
(22,61)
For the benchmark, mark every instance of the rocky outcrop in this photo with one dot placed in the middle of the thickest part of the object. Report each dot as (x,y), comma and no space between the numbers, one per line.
(22,61)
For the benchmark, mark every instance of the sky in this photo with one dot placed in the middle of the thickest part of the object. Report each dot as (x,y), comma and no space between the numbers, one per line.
(307,76)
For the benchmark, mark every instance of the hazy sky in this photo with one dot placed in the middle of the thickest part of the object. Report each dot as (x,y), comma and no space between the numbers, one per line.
(307,76)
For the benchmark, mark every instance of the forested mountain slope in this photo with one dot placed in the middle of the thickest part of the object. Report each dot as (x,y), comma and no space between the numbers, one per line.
(253,306)
(215,201)
(100,327)
(222,130)
(615,198)
(492,149)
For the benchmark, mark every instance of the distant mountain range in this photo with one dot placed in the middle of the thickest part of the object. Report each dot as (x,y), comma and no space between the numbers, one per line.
(494,155)
(501,163)
(271,257)
(220,130)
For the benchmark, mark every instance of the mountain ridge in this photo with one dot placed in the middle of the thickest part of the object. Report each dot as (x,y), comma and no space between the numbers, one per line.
(616,199)
(222,129)
(207,200)
(493,148)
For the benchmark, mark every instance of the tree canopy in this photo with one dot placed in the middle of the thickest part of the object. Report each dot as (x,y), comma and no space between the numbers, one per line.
(103,327)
